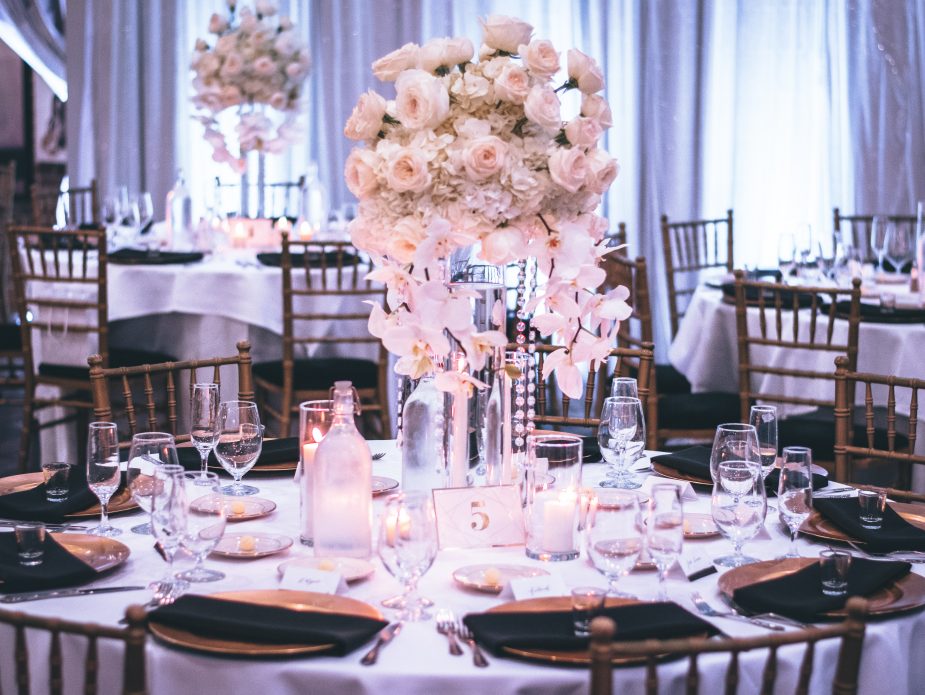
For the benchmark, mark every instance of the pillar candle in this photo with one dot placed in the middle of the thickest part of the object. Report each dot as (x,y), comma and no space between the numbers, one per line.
(559,521)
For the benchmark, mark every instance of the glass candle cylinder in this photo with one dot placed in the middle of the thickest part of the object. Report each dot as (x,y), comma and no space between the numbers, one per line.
(552,514)
(315,418)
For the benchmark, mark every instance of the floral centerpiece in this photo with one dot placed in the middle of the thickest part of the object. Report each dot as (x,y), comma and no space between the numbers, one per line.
(257,64)
(476,154)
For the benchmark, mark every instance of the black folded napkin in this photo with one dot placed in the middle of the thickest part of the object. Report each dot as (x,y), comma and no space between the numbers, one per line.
(143,257)
(58,569)
(314,259)
(799,595)
(874,313)
(32,505)
(285,450)
(555,630)
(693,461)
(804,299)
(264,624)
(772,482)
(894,534)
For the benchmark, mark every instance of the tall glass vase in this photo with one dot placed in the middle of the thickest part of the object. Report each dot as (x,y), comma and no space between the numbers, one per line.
(260,188)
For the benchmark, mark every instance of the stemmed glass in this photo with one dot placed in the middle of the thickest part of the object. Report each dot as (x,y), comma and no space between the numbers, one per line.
(621,435)
(143,210)
(624,386)
(168,520)
(149,451)
(205,523)
(764,419)
(665,531)
(240,441)
(103,473)
(878,228)
(734,441)
(408,545)
(786,254)
(204,420)
(899,246)
(795,491)
(614,536)
(739,506)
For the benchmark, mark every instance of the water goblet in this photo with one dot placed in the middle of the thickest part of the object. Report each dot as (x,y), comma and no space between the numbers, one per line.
(739,506)
(795,491)
(786,254)
(878,227)
(205,523)
(408,546)
(665,531)
(621,435)
(625,386)
(204,420)
(103,474)
(899,246)
(240,440)
(149,451)
(734,441)
(168,522)
(614,536)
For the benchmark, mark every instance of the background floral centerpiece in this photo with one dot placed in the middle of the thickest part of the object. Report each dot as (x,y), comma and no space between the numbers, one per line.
(476,154)
(257,65)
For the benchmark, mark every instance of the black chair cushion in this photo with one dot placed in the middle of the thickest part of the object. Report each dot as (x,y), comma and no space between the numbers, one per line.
(697,411)
(10,337)
(670,380)
(118,357)
(319,374)
(816,430)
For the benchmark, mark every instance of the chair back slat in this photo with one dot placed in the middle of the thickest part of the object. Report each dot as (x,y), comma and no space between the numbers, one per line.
(150,406)
(55,684)
(172,401)
(91,675)
(856,230)
(806,669)
(78,206)
(769,675)
(22,660)
(692,679)
(732,673)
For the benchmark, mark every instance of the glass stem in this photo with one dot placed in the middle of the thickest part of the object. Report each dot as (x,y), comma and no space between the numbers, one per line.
(104,515)
(204,455)
(793,542)
(662,589)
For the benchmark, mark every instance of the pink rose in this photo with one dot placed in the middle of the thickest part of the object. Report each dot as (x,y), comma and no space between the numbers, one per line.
(484,157)
(513,84)
(406,170)
(232,66)
(230,95)
(596,107)
(444,53)
(366,120)
(217,24)
(389,67)
(540,57)
(583,132)
(568,167)
(602,170)
(585,72)
(360,173)
(542,107)
(279,101)
(503,245)
(265,66)
(421,100)
(404,239)
(458,50)
(505,33)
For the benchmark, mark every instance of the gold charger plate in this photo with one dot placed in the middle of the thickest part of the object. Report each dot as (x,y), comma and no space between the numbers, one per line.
(120,502)
(352,569)
(304,601)
(249,546)
(102,554)
(675,474)
(491,579)
(817,526)
(901,596)
(236,508)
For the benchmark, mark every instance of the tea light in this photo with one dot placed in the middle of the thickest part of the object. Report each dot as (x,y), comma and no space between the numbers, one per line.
(238,235)
(315,418)
(397,526)
(283,225)
(559,522)
(305,231)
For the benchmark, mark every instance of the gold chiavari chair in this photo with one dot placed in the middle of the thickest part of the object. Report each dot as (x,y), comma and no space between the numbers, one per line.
(11,357)
(316,272)
(281,199)
(82,205)
(134,679)
(61,287)
(873,437)
(690,248)
(801,321)
(856,229)
(604,650)
(149,393)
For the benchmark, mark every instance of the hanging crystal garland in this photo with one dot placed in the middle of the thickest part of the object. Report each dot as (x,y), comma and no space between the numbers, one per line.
(526,334)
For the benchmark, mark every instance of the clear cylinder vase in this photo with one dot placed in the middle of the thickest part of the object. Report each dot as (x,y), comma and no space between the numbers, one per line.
(424,440)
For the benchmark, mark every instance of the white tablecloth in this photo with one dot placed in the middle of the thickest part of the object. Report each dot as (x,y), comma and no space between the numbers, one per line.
(417,661)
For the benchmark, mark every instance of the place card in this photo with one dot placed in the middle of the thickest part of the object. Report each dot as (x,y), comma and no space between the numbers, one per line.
(686,489)
(696,564)
(301,578)
(479,517)
(538,587)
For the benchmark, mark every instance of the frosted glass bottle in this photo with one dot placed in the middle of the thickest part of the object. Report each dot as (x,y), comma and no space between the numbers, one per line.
(315,201)
(423,444)
(179,209)
(343,508)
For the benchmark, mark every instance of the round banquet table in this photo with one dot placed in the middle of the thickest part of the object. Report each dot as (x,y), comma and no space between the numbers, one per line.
(417,660)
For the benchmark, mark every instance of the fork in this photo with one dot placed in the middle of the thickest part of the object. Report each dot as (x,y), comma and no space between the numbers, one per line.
(706,609)
(477,657)
(378,455)
(913,556)
(446,626)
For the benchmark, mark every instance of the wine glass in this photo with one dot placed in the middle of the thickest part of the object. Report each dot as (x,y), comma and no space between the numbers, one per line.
(204,420)
(143,210)
(795,491)
(764,419)
(613,536)
(621,435)
(665,531)
(786,254)
(205,523)
(168,521)
(899,246)
(240,440)
(149,451)
(878,227)
(624,386)
(408,545)
(103,473)
(734,441)
(739,506)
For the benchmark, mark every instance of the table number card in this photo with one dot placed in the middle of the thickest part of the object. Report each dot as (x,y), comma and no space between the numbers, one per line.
(479,517)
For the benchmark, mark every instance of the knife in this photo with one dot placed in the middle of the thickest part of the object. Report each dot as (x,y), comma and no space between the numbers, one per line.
(62,593)
(385,636)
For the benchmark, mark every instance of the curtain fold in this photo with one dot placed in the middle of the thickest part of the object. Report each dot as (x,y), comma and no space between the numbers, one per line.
(32,29)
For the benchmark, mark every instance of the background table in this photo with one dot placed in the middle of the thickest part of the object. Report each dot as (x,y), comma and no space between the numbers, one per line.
(417,661)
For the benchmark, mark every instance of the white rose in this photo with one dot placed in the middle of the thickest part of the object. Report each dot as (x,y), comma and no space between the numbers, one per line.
(232,66)
(363,235)
(209,63)
(432,55)
(459,50)
(267,8)
(230,95)
(366,120)
(285,23)
(265,66)
(505,33)
(286,43)
(542,107)
(404,239)
(249,23)
(585,72)
(389,67)
(602,170)
(582,132)
(217,24)
(596,107)
(540,57)
(296,71)
(406,170)
(421,100)
(360,173)
(201,46)
(502,246)
(568,167)
(279,101)
(513,84)
(484,157)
